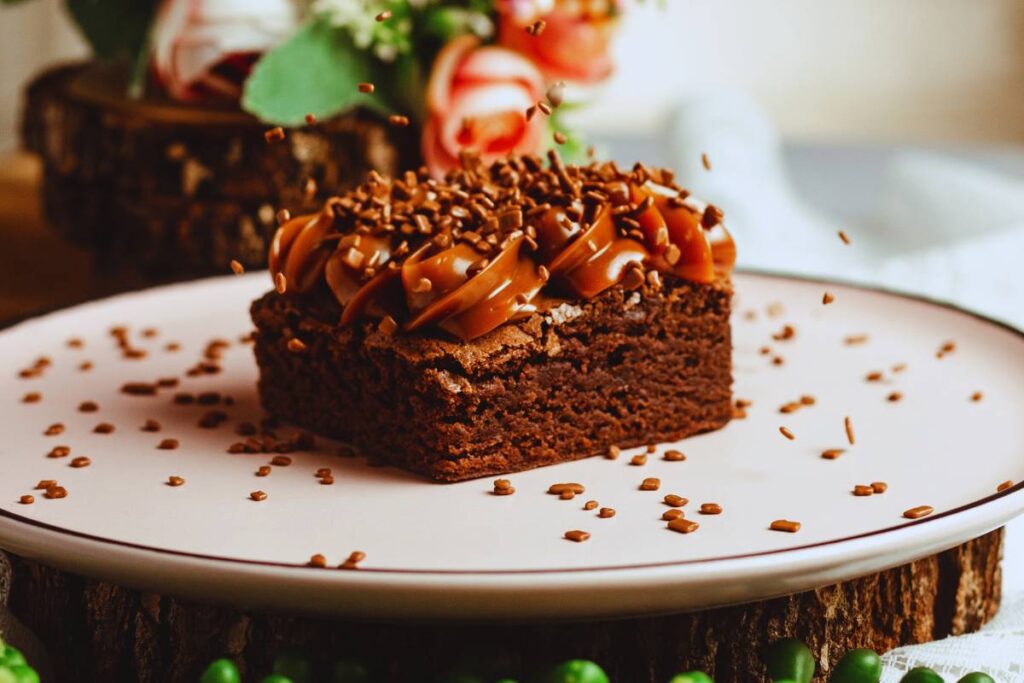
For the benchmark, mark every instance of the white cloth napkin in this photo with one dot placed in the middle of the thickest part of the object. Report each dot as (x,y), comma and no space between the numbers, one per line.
(942,228)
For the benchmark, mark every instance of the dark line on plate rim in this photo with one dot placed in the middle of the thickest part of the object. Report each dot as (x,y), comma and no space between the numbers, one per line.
(572,570)
(565,570)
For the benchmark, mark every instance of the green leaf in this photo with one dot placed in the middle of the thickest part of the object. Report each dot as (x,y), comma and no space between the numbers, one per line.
(574,149)
(317,71)
(114,28)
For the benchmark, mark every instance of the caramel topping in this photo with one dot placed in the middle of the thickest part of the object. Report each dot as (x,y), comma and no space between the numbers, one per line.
(474,252)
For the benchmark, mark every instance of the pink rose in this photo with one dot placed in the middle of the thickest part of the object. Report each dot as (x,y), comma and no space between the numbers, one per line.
(204,48)
(477,99)
(575,43)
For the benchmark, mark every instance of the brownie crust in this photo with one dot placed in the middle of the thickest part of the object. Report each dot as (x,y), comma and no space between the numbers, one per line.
(625,368)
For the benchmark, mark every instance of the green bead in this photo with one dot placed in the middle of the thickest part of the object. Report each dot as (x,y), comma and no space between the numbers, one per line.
(276,678)
(6,675)
(221,671)
(692,677)
(858,666)
(789,659)
(576,671)
(505,680)
(294,665)
(11,657)
(349,671)
(977,677)
(921,674)
(23,673)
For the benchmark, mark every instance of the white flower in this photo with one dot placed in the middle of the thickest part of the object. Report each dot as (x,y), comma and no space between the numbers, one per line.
(386,39)
(205,47)
(357,16)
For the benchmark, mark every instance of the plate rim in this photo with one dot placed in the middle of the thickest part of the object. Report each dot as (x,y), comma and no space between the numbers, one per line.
(102,541)
(960,518)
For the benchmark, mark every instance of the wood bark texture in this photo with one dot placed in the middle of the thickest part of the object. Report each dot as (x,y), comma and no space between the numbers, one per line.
(166,191)
(97,631)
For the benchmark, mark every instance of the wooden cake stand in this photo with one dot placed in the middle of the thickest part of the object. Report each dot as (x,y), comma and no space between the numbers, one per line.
(162,190)
(131,578)
(116,633)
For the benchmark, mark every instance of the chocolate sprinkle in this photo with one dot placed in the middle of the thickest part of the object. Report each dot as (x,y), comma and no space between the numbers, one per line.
(138,388)
(650,484)
(918,512)
(577,535)
(353,560)
(683,525)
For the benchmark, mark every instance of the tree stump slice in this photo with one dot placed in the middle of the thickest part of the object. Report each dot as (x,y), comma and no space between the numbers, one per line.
(99,631)
(162,191)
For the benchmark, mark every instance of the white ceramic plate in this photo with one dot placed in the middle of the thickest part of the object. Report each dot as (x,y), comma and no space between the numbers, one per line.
(456,551)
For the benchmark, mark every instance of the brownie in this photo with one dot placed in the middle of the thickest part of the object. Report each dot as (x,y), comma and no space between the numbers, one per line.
(625,368)
(515,314)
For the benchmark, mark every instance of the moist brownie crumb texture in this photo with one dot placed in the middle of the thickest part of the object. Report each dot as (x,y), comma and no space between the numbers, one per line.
(624,368)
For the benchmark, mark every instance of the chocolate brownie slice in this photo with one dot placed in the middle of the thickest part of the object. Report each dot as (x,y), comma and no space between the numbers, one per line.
(624,367)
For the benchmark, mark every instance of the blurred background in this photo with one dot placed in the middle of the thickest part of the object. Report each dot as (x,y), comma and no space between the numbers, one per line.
(901,121)
(839,70)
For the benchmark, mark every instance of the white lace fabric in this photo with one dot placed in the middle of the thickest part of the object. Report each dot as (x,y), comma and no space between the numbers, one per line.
(997,649)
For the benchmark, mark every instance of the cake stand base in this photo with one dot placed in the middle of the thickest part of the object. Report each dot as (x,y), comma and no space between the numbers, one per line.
(100,631)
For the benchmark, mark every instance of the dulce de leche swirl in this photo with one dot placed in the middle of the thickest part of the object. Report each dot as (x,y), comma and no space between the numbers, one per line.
(474,252)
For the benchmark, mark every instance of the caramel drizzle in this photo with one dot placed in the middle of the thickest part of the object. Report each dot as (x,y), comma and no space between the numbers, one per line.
(445,282)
